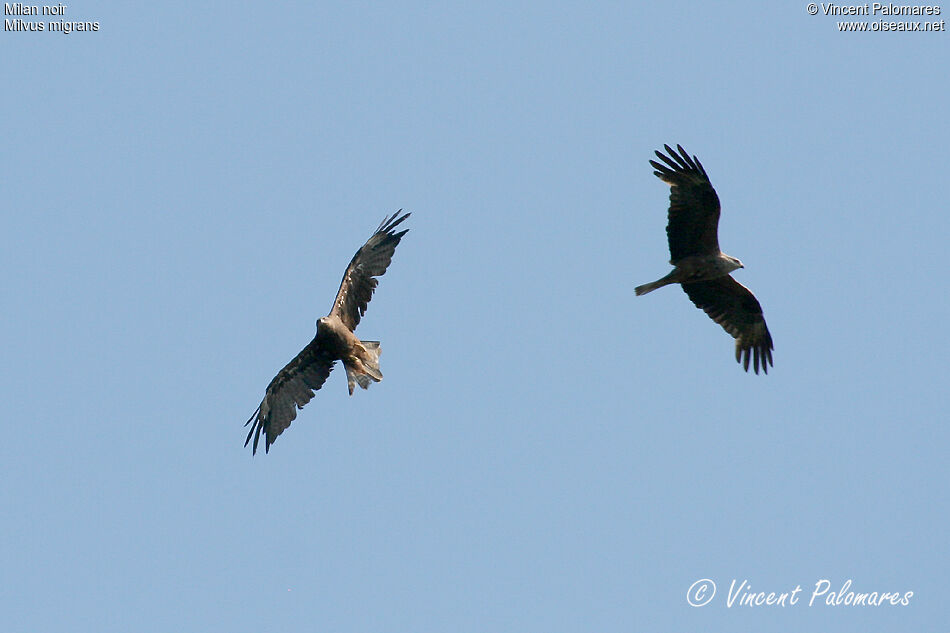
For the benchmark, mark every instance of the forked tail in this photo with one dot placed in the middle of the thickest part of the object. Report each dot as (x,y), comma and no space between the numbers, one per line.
(366,370)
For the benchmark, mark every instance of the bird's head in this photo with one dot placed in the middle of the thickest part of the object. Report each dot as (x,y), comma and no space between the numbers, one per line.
(321,322)
(735,262)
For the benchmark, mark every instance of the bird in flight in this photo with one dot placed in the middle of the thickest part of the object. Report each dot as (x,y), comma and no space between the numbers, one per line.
(700,267)
(294,385)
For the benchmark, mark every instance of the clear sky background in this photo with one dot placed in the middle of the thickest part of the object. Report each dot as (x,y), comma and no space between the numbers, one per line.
(183,189)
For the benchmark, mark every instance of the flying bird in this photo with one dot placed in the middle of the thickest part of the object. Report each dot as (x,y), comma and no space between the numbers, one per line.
(294,385)
(700,267)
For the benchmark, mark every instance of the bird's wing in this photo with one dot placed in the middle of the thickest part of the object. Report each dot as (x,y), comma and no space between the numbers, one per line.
(693,220)
(735,308)
(370,262)
(291,389)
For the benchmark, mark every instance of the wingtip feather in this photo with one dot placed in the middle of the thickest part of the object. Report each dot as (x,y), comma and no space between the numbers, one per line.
(391,222)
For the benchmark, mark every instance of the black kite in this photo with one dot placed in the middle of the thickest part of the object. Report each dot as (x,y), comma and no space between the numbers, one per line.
(700,267)
(294,385)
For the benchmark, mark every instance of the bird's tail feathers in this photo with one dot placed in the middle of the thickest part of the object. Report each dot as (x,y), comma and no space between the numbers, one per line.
(371,364)
(650,287)
(368,370)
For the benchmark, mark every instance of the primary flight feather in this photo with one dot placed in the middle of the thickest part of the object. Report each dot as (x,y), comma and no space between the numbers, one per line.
(294,385)
(700,267)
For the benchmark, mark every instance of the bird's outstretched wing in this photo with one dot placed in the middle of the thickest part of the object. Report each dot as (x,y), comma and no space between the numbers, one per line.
(370,261)
(291,389)
(693,220)
(735,308)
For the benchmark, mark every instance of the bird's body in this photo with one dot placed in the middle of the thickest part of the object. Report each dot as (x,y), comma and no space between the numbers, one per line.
(360,358)
(295,384)
(700,266)
(694,268)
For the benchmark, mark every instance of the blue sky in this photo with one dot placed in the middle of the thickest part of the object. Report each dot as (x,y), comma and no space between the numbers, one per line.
(181,193)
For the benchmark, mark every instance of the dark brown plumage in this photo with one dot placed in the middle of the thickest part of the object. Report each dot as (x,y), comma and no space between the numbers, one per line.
(371,261)
(700,266)
(735,308)
(295,384)
(693,218)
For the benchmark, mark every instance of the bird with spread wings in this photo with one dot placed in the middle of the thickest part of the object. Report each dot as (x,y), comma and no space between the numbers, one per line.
(295,384)
(700,267)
